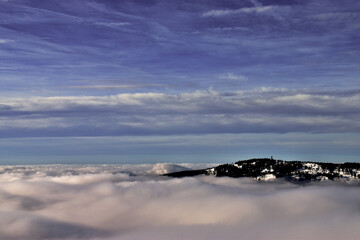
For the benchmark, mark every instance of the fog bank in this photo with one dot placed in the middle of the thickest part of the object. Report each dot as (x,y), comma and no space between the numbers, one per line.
(132,202)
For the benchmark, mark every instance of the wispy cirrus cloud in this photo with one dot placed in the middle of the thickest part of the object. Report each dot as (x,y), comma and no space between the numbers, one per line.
(155,49)
(4,40)
(116,86)
(225,12)
(233,76)
(113,24)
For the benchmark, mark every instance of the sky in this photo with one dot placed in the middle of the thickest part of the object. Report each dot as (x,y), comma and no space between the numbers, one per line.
(145,81)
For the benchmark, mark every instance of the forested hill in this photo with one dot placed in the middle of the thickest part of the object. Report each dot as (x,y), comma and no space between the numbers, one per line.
(266,169)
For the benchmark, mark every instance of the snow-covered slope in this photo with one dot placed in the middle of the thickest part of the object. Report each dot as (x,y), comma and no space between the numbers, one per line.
(266,169)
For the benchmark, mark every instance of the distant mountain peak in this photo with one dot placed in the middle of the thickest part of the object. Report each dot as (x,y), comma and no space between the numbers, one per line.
(267,169)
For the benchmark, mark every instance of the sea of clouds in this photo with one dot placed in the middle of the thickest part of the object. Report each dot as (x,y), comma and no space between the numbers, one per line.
(133,202)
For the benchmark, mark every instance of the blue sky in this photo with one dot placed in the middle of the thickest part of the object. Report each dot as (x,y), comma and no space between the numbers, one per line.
(181,81)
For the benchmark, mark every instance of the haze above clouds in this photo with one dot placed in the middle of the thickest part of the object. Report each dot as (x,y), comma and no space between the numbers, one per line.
(132,202)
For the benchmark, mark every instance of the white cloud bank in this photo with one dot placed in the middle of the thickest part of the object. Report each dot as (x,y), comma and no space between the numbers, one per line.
(110,202)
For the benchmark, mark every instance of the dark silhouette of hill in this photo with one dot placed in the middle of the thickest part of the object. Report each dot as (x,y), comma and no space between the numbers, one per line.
(269,169)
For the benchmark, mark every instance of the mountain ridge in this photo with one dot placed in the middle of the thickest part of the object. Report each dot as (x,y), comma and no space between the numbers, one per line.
(265,169)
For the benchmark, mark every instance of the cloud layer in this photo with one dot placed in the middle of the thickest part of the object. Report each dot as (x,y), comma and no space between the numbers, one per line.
(199,112)
(129,202)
